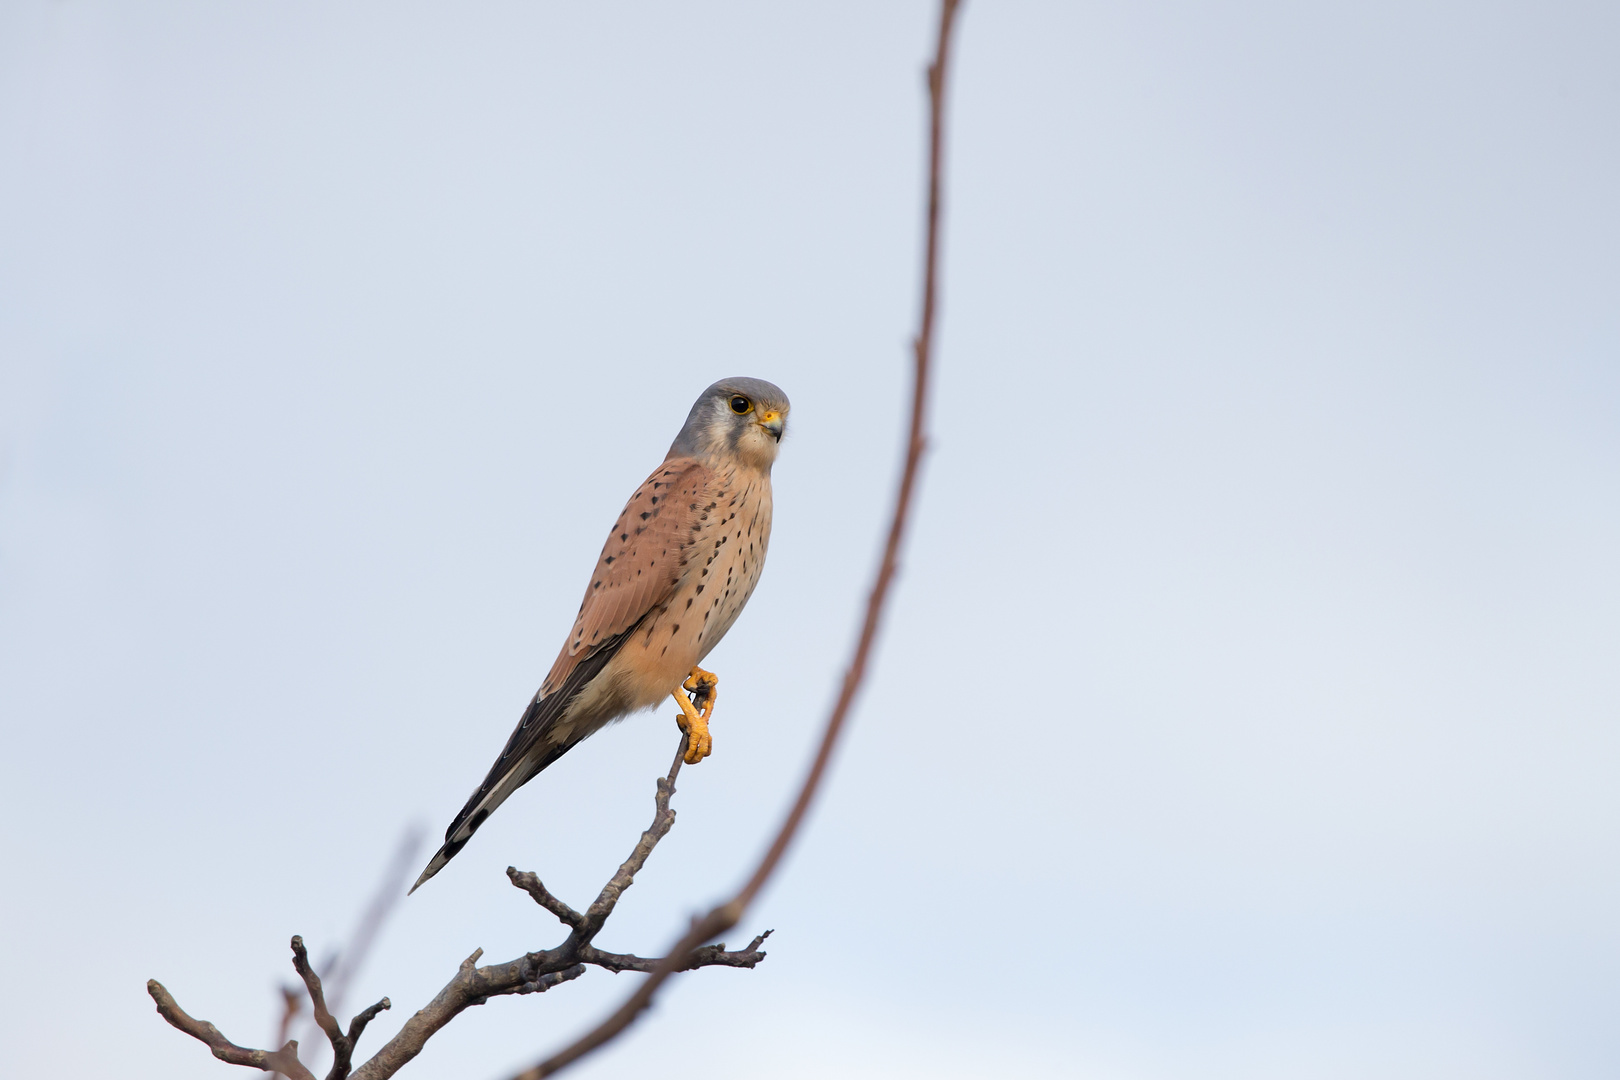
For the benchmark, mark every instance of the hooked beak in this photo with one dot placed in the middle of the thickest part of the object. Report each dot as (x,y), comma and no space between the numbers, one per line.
(772,422)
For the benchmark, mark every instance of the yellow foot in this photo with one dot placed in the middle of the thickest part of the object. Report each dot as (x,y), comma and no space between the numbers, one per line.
(704,686)
(695,713)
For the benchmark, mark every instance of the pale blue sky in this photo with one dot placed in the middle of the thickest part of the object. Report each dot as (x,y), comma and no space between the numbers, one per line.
(1251,704)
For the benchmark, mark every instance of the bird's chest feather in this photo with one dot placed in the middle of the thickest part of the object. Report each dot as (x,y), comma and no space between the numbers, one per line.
(733,554)
(722,566)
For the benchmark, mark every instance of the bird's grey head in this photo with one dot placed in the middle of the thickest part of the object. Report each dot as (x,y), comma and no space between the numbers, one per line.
(735,420)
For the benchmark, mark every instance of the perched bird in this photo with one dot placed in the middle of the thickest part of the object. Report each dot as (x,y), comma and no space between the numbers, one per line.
(676,570)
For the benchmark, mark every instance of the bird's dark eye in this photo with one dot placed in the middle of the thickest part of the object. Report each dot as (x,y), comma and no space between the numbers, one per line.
(740,405)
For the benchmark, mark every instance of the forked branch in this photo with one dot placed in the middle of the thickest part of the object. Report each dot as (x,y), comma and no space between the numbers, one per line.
(285,1060)
(532,973)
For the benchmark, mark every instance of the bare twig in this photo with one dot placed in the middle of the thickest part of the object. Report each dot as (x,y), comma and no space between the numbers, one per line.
(538,972)
(342,965)
(317,997)
(365,1016)
(585,927)
(707,956)
(625,876)
(342,1044)
(284,1061)
(532,973)
(530,883)
(726,915)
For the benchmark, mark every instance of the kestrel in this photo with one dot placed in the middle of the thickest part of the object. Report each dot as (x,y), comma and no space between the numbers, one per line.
(676,570)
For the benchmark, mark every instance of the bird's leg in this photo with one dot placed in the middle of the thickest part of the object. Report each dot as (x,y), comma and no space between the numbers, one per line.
(695,713)
(704,686)
(698,742)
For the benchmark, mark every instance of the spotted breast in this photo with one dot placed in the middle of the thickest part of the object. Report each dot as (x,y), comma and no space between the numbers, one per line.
(730,529)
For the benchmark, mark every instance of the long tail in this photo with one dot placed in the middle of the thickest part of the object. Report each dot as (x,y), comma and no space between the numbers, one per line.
(494,791)
(531,747)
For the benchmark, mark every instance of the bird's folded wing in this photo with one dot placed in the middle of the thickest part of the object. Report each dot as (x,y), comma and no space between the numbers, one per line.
(639,568)
(641,564)
(638,571)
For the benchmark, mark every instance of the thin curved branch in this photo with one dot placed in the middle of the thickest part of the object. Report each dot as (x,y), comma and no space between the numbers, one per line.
(530,883)
(707,956)
(317,996)
(284,1061)
(726,915)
